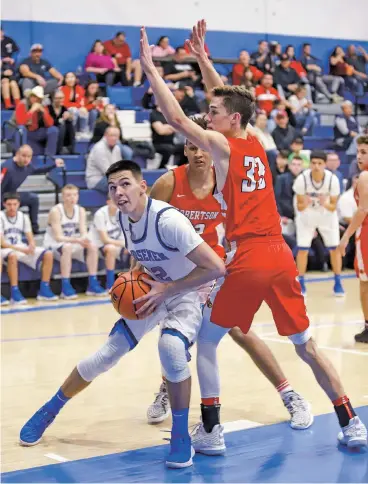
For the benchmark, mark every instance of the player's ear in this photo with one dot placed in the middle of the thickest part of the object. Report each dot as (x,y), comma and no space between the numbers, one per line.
(143,186)
(185,151)
(236,118)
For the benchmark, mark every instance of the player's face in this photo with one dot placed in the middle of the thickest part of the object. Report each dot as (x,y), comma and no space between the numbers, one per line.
(317,165)
(70,197)
(11,207)
(197,158)
(362,156)
(218,119)
(126,191)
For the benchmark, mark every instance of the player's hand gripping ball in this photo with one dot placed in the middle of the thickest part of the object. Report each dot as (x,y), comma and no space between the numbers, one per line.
(128,287)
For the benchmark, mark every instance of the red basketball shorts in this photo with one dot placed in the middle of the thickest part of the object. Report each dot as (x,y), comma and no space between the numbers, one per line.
(261,271)
(361,254)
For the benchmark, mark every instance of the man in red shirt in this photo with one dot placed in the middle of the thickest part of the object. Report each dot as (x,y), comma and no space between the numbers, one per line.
(266,95)
(240,68)
(120,50)
(262,267)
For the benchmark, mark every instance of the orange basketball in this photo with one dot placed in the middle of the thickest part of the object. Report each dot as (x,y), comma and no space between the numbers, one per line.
(128,287)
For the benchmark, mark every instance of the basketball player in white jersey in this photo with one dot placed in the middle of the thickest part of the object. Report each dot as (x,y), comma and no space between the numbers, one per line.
(105,232)
(189,189)
(317,191)
(15,229)
(66,236)
(166,244)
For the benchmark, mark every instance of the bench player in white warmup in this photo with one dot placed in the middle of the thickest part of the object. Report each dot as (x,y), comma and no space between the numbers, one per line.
(66,235)
(317,191)
(105,232)
(15,229)
(166,244)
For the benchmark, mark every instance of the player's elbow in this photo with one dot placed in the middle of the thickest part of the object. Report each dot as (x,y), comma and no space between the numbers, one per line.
(219,269)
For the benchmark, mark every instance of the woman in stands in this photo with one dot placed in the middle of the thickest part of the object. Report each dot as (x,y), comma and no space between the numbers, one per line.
(339,67)
(74,98)
(104,66)
(108,118)
(93,103)
(163,48)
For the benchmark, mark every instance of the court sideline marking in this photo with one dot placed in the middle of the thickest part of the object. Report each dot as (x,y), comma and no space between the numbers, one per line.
(341,350)
(57,457)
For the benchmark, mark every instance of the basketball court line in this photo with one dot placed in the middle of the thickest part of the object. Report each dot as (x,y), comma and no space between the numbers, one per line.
(57,457)
(332,348)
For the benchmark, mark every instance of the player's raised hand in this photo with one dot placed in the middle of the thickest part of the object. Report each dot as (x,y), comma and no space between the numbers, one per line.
(196,42)
(145,53)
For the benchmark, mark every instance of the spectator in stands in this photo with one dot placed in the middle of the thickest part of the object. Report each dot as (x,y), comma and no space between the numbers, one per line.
(102,155)
(262,57)
(187,99)
(284,190)
(286,78)
(103,65)
(346,129)
(108,118)
(9,85)
(340,67)
(299,69)
(14,172)
(280,105)
(281,165)
(163,137)
(180,70)
(266,94)
(15,230)
(163,47)
(35,71)
(243,65)
(305,116)
(74,98)
(296,149)
(265,138)
(284,133)
(93,103)
(314,73)
(332,164)
(275,53)
(67,237)
(63,120)
(119,49)
(359,62)
(346,205)
(36,123)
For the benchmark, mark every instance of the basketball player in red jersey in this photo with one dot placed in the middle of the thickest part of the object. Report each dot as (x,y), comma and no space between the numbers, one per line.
(262,267)
(190,188)
(359,226)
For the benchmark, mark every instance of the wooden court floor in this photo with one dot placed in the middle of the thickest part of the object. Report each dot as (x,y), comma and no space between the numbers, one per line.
(39,349)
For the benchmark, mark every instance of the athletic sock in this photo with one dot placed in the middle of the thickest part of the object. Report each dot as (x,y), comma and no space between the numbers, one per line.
(57,402)
(92,280)
(110,277)
(301,278)
(210,410)
(7,103)
(180,422)
(344,410)
(14,288)
(337,278)
(44,284)
(283,388)
(65,282)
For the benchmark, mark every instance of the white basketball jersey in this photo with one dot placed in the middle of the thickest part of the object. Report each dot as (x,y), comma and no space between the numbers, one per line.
(147,244)
(14,229)
(69,225)
(305,185)
(103,221)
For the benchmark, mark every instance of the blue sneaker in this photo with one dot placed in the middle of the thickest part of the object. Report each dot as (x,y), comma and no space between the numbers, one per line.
(181,453)
(17,297)
(45,294)
(33,430)
(68,291)
(338,289)
(95,289)
(302,285)
(4,301)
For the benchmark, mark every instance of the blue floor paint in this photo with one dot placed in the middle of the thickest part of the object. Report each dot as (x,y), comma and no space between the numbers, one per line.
(272,453)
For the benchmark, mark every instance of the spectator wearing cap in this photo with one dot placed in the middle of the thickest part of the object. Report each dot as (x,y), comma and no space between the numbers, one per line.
(119,49)
(9,84)
(305,116)
(180,70)
(286,78)
(35,71)
(296,149)
(266,94)
(346,129)
(36,123)
(241,67)
(262,57)
(162,48)
(284,133)
(332,164)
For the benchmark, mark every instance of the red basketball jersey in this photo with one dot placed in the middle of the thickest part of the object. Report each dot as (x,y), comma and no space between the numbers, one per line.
(248,192)
(205,215)
(365,221)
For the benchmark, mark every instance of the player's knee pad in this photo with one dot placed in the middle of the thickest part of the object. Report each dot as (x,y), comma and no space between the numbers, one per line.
(105,358)
(300,338)
(173,356)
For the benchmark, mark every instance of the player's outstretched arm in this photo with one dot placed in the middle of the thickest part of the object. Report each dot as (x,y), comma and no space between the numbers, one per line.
(210,141)
(211,78)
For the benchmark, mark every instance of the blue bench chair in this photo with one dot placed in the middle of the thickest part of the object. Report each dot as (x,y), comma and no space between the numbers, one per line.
(316,143)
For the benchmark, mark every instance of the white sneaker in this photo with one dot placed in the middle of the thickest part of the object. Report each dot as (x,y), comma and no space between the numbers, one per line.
(159,410)
(354,434)
(299,410)
(212,443)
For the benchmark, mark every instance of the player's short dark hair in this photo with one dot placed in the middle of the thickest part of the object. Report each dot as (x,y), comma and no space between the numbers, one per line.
(181,47)
(237,99)
(200,120)
(11,196)
(284,154)
(297,158)
(321,155)
(125,165)
(363,140)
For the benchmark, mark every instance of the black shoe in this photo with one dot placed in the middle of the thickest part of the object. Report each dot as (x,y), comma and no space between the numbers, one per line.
(362,337)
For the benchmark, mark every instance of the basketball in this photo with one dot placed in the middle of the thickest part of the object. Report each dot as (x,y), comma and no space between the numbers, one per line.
(128,287)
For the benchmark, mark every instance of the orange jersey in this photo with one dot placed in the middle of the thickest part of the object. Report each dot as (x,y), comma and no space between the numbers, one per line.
(248,192)
(365,221)
(205,215)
